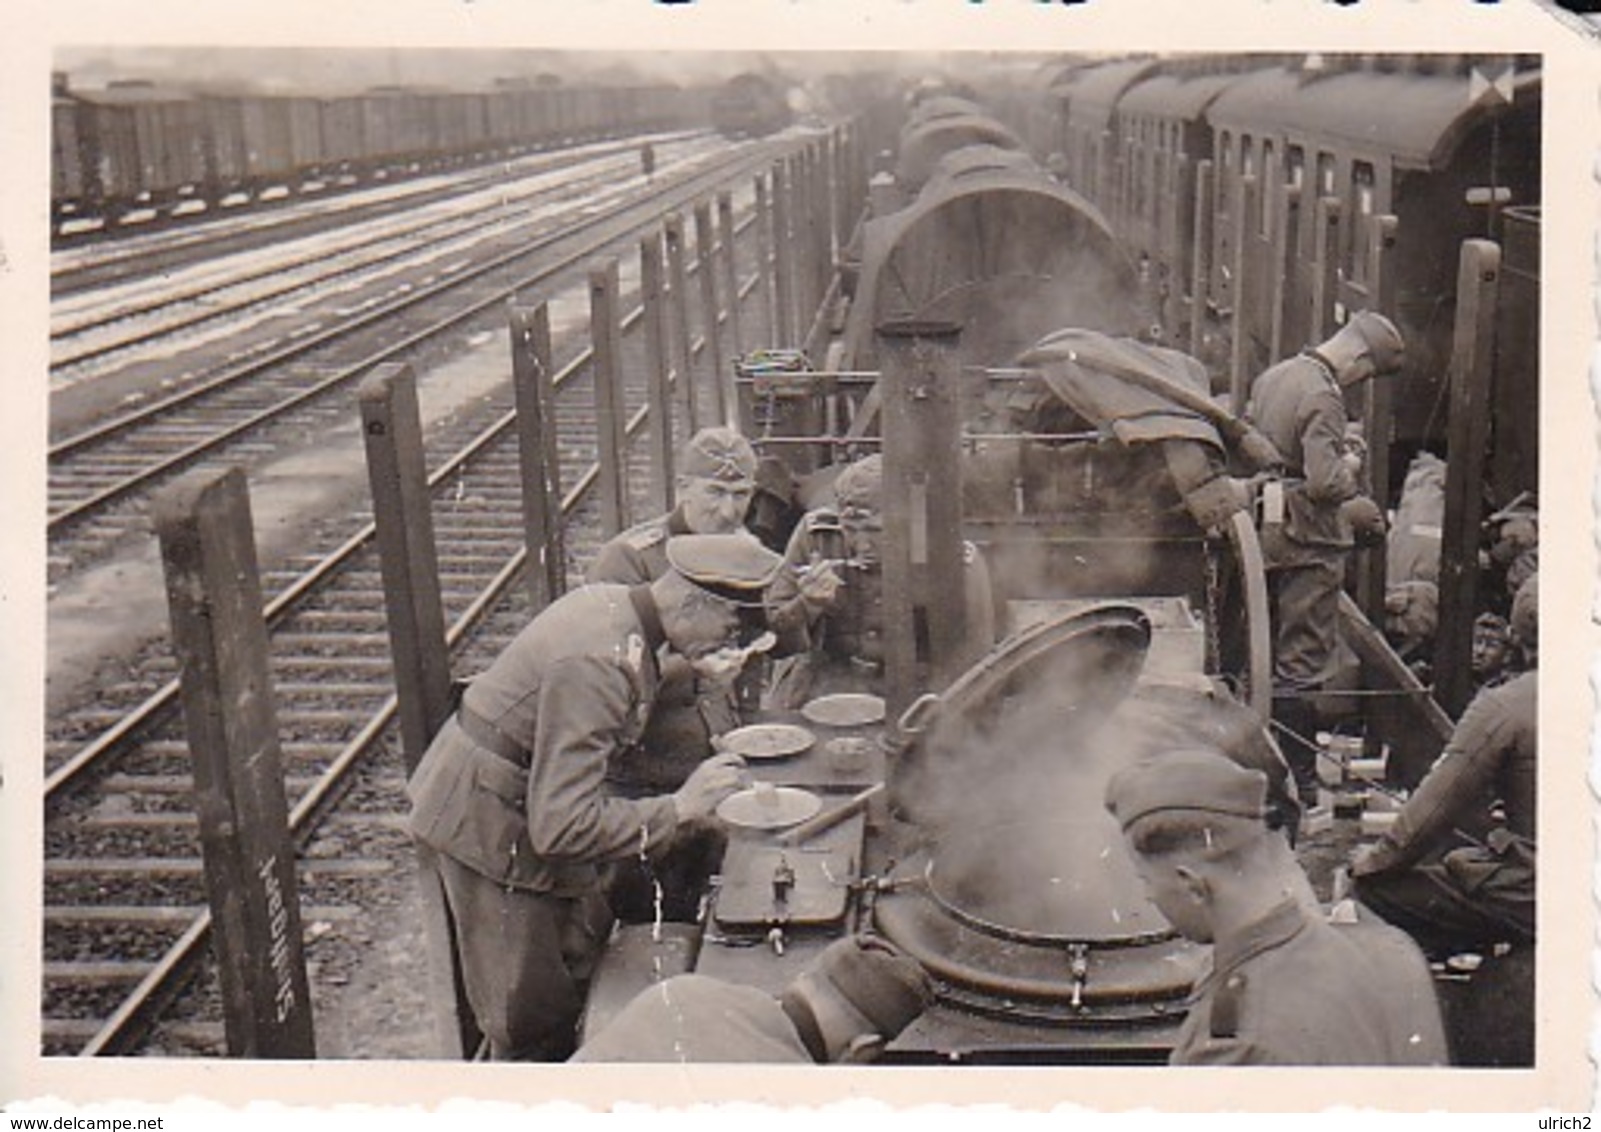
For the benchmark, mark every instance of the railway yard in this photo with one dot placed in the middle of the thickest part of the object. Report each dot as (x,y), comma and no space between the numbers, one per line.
(887,272)
(308,483)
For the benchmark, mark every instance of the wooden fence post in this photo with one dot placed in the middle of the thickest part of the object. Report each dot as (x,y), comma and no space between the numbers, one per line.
(678,315)
(1378,415)
(532,367)
(706,264)
(800,235)
(1472,367)
(214,600)
(658,371)
(403,518)
(823,220)
(783,258)
(764,262)
(736,338)
(925,620)
(606,334)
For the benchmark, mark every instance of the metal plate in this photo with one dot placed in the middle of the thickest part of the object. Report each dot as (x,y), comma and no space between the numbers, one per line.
(783,806)
(847,709)
(766,740)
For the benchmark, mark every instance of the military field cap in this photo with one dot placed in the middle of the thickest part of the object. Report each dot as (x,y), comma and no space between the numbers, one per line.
(718,453)
(1189,779)
(862,483)
(735,567)
(1384,342)
(886,986)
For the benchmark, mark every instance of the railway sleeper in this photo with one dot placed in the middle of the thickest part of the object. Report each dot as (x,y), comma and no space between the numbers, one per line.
(332,644)
(292,666)
(168,915)
(347,692)
(191,866)
(350,618)
(66,1035)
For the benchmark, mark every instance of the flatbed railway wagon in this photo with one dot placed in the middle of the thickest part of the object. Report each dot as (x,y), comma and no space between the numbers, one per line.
(961,814)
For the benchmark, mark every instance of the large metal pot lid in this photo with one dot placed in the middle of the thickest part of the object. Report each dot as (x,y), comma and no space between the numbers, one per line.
(1042,693)
(1051,882)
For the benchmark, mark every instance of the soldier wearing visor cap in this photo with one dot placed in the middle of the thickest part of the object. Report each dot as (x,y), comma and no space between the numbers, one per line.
(513,797)
(715,480)
(1288,985)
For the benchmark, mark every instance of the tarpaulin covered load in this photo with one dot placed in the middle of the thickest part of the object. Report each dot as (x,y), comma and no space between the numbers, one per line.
(1082,367)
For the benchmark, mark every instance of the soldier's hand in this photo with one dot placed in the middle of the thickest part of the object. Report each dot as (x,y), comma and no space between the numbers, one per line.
(1367,522)
(820,582)
(720,667)
(708,784)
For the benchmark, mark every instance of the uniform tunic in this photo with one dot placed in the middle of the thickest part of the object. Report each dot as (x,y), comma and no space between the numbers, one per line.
(686,715)
(693,1018)
(1296,989)
(1297,404)
(639,554)
(676,738)
(1470,896)
(523,849)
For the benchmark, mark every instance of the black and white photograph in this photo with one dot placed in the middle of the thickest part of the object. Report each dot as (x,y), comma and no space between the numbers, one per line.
(994,560)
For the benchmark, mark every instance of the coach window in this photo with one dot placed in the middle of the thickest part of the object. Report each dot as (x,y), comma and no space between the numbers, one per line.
(1362,206)
(1325,174)
(1294,180)
(1225,172)
(1269,191)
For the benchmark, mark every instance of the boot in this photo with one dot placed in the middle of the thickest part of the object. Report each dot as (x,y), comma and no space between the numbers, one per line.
(1297,733)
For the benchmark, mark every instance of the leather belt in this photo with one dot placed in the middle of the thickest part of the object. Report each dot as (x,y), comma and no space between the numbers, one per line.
(492,738)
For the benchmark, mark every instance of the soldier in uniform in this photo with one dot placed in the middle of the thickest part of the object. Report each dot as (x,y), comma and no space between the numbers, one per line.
(511,796)
(827,605)
(1457,869)
(1299,405)
(713,485)
(850,1002)
(1288,985)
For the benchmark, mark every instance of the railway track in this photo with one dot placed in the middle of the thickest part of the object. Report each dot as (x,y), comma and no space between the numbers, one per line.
(86,264)
(124,906)
(115,321)
(95,474)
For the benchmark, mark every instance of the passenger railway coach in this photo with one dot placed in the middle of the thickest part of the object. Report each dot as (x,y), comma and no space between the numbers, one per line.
(1272,195)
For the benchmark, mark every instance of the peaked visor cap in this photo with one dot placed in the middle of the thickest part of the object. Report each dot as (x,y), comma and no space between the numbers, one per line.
(1190,779)
(733,567)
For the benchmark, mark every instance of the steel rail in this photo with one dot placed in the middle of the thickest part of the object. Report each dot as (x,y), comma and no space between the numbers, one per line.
(140,1009)
(66,777)
(689,188)
(318,211)
(686,191)
(436,229)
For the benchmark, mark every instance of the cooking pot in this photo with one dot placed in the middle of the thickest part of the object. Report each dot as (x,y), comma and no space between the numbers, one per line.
(1056,681)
